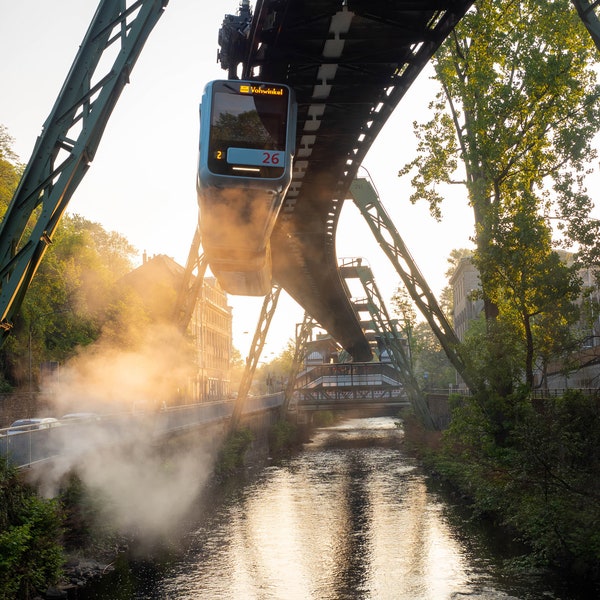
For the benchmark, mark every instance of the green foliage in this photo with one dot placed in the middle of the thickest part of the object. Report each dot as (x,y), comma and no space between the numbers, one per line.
(559,462)
(30,534)
(495,352)
(431,365)
(66,304)
(283,438)
(514,122)
(272,376)
(10,169)
(323,418)
(534,290)
(231,456)
(538,474)
(89,526)
(82,514)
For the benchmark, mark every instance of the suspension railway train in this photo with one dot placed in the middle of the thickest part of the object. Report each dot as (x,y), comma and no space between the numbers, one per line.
(247,140)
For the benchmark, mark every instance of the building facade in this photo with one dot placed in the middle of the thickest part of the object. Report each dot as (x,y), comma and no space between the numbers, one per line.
(585,360)
(466,307)
(211,327)
(158,282)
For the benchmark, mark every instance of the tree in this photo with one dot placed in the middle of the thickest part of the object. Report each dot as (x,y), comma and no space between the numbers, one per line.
(273,375)
(431,365)
(10,173)
(10,169)
(67,301)
(429,362)
(404,308)
(66,304)
(518,110)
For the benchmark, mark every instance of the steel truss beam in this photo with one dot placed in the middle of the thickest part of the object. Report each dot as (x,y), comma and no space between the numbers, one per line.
(389,335)
(303,335)
(191,285)
(68,143)
(258,343)
(366,199)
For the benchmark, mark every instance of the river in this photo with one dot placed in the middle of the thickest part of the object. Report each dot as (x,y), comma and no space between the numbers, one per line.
(350,517)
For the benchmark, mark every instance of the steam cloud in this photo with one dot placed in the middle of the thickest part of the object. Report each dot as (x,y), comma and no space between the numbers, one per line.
(147,486)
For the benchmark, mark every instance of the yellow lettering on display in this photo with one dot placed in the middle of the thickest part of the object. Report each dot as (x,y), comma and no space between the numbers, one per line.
(251,89)
(267,91)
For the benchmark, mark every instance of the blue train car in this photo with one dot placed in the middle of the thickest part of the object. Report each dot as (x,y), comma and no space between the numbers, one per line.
(247,142)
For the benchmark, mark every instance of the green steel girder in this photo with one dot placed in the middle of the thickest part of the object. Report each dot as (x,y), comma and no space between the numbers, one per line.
(191,284)
(367,201)
(385,328)
(303,335)
(258,343)
(68,142)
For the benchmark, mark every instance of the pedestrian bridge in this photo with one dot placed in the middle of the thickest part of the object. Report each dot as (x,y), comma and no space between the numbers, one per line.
(373,387)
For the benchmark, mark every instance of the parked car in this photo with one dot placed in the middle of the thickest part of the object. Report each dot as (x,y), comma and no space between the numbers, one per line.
(80,417)
(22,425)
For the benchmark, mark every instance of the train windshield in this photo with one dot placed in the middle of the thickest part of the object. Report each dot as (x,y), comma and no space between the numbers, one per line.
(248,129)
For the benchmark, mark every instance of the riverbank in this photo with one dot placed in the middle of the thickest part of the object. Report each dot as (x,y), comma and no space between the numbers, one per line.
(530,486)
(348,516)
(431,449)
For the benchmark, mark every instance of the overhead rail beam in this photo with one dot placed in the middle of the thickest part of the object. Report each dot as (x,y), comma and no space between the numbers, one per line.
(350,64)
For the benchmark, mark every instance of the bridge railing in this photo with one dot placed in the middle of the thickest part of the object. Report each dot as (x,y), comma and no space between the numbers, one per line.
(355,395)
(559,392)
(348,374)
(191,415)
(28,447)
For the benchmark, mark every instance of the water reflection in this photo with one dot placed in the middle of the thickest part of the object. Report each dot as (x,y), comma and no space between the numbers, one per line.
(349,518)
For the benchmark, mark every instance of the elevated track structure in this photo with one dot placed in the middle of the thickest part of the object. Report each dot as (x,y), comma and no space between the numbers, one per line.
(350,63)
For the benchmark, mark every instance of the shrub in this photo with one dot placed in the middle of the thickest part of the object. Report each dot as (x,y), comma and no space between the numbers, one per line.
(231,456)
(283,437)
(31,555)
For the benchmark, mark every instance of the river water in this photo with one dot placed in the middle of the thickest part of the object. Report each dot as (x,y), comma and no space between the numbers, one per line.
(350,517)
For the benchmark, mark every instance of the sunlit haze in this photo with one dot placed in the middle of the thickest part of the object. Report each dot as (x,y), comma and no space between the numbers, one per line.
(142,181)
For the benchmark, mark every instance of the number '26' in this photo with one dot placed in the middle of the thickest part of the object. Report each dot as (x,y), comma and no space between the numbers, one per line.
(270,158)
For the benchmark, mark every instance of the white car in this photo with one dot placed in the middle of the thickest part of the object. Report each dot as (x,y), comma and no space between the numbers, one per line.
(80,417)
(23,425)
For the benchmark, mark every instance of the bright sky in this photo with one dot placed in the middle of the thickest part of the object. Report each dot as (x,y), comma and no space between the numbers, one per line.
(142,181)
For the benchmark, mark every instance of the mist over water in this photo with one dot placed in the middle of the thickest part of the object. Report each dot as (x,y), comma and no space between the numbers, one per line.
(350,517)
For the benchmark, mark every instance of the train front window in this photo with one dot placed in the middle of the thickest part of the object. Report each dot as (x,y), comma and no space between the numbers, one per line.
(246,128)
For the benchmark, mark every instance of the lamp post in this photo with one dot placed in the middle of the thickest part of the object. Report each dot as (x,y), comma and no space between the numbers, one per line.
(30,390)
